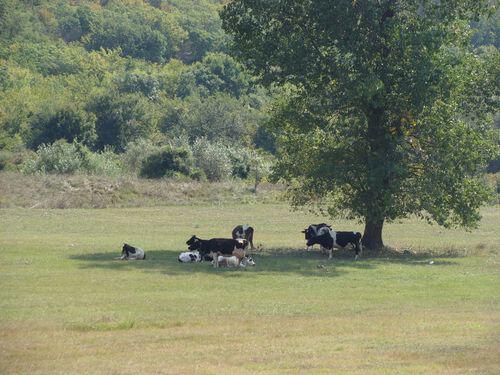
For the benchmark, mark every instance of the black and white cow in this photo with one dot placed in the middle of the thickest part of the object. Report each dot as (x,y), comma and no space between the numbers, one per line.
(218,246)
(245,232)
(189,256)
(338,240)
(193,256)
(132,253)
(315,230)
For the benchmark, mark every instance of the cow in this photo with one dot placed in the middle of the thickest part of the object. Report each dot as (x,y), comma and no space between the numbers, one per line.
(218,246)
(315,230)
(245,232)
(233,261)
(189,256)
(132,253)
(338,240)
(193,256)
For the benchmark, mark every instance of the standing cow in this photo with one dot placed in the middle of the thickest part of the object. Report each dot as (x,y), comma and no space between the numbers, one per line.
(245,232)
(315,230)
(218,246)
(338,240)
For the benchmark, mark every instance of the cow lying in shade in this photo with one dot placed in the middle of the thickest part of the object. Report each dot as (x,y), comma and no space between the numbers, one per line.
(233,261)
(218,246)
(132,253)
(189,256)
(315,230)
(192,256)
(244,232)
(338,240)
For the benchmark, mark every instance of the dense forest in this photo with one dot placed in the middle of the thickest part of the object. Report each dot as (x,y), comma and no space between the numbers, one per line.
(124,81)
(131,86)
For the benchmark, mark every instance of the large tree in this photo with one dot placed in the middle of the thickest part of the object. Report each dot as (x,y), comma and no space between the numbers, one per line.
(387,109)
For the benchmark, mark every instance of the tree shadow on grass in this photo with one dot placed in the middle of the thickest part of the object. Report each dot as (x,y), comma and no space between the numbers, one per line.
(420,258)
(289,261)
(269,261)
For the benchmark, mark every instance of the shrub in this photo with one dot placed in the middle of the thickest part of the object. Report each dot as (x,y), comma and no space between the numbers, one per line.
(66,158)
(168,162)
(136,152)
(59,157)
(101,163)
(4,159)
(65,123)
(212,159)
(260,168)
(241,158)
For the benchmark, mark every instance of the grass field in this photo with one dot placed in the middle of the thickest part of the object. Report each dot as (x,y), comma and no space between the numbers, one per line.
(66,306)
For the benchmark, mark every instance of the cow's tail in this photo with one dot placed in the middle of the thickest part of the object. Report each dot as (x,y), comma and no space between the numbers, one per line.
(144,256)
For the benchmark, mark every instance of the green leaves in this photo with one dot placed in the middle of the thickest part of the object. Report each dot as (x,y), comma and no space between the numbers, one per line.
(386,109)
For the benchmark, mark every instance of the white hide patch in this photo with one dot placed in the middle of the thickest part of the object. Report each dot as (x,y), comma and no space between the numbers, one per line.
(322,231)
(189,256)
(333,234)
(245,227)
(138,255)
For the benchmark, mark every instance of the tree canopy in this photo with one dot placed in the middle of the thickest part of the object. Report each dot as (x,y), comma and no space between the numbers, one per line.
(387,108)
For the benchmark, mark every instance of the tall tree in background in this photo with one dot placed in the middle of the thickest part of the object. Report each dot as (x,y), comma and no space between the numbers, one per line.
(387,111)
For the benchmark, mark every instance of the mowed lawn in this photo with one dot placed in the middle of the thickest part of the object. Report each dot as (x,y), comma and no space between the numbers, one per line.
(66,306)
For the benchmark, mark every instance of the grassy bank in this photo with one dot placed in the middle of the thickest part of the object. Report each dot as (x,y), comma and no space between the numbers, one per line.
(87,191)
(68,307)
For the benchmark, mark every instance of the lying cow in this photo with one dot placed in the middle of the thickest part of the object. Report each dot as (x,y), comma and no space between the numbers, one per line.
(233,261)
(132,253)
(245,232)
(338,240)
(193,256)
(218,246)
(315,230)
(189,256)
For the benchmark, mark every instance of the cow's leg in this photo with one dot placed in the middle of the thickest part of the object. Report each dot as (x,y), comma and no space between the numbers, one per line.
(330,252)
(215,257)
(250,240)
(358,250)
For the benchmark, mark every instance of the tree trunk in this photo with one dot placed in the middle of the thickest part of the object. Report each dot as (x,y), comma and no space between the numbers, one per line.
(372,238)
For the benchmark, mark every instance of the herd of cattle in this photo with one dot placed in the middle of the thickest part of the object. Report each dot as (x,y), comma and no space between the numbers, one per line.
(231,252)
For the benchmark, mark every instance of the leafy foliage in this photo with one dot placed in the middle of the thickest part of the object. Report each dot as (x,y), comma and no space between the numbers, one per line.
(168,162)
(212,159)
(121,119)
(108,73)
(65,123)
(385,104)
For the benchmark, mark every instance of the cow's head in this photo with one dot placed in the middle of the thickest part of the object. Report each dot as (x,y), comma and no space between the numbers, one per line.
(249,261)
(193,243)
(309,232)
(311,241)
(241,243)
(127,249)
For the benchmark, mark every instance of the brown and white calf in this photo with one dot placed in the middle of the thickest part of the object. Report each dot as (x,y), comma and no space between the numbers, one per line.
(233,261)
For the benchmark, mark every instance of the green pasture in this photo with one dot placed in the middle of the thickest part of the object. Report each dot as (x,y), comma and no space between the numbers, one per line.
(67,306)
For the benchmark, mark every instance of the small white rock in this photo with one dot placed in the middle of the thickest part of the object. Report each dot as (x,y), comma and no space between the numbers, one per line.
(431,262)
